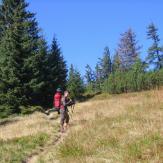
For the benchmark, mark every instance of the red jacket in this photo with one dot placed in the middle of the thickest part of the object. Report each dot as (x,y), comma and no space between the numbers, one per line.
(57,100)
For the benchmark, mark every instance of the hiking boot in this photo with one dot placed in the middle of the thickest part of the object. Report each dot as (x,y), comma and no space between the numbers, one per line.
(47,112)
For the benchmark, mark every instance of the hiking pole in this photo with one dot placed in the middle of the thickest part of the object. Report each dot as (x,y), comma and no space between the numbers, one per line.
(72,110)
(71,114)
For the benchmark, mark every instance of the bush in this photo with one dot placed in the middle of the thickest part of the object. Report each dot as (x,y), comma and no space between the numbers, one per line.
(133,80)
(5,111)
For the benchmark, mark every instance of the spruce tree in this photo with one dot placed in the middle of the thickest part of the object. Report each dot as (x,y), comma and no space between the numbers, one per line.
(155,52)
(128,50)
(116,62)
(90,79)
(103,69)
(19,52)
(89,75)
(75,83)
(136,81)
(56,70)
(98,77)
(11,56)
(105,63)
(39,81)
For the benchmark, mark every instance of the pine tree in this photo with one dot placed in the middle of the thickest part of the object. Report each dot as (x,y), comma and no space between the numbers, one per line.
(116,62)
(19,52)
(89,75)
(136,81)
(90,79)
(155,52)
(39,81)
(103,69)
(11,56)
(75,83)
(105,64)
(98,77)
(128,49)
(1,20)
(56,70)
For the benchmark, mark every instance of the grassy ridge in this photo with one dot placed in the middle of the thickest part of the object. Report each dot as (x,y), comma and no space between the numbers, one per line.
(123,128)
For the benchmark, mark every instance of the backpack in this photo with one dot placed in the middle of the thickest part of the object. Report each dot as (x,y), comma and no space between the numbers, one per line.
(57,100)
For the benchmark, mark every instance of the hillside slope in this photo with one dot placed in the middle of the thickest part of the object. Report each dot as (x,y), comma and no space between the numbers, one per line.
(120,128)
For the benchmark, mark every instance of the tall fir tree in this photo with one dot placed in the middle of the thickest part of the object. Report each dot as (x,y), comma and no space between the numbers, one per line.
(90,79)
(103,69)
(116,62)
(19,53)
(89,75)
(98,78)
(155,52)
(106,64)
(75,83)
(128,50)
(39,81)
(57,70)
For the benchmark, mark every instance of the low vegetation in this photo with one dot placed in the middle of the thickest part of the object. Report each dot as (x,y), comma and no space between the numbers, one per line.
(107,128)
(16,150)
(121,128)
(20,137)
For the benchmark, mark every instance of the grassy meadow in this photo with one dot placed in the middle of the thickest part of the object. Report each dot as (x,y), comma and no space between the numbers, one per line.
(20,137)
(125,128)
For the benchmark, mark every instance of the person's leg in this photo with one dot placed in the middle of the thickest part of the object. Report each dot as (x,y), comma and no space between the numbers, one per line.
(62,114)
(52,110)
(67,118)
(58,110)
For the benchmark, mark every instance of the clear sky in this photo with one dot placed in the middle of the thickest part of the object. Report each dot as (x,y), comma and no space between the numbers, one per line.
(84,27)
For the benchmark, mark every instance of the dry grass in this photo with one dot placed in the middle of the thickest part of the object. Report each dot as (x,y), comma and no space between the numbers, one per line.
(125,128)
(22,136)
(26,126)
(122,128)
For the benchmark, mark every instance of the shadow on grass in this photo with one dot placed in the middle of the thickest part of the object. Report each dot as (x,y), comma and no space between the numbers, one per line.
(88,97)
(8,121)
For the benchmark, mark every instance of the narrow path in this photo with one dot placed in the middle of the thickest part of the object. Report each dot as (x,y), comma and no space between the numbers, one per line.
(33,158)
(55,141)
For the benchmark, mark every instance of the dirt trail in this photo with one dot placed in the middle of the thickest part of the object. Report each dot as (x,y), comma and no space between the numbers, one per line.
(35,155)
(74,125)
(33,158)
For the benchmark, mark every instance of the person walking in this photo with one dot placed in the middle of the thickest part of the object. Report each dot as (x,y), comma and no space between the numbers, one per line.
(56,102)
(64,115)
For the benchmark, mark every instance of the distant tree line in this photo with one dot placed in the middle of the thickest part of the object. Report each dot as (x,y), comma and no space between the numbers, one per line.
(31,71)
(126,71)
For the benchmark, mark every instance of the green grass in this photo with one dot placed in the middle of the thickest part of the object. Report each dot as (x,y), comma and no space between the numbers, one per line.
(96,140)
(80,144)
(18,149)
(143,148)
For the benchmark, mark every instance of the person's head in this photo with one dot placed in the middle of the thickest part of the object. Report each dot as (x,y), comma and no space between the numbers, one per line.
(66,93)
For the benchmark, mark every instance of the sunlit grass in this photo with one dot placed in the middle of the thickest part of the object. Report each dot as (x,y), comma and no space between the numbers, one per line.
(124,128)
(20,137)
(16,150)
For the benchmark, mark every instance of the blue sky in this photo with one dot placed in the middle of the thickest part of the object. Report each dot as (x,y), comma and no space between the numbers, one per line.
(84,27)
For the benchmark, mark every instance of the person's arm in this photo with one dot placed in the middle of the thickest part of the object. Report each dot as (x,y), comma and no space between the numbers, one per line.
(64,102)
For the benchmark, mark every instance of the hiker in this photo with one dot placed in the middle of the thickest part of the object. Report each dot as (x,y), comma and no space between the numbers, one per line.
(56,102)
(65,102)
